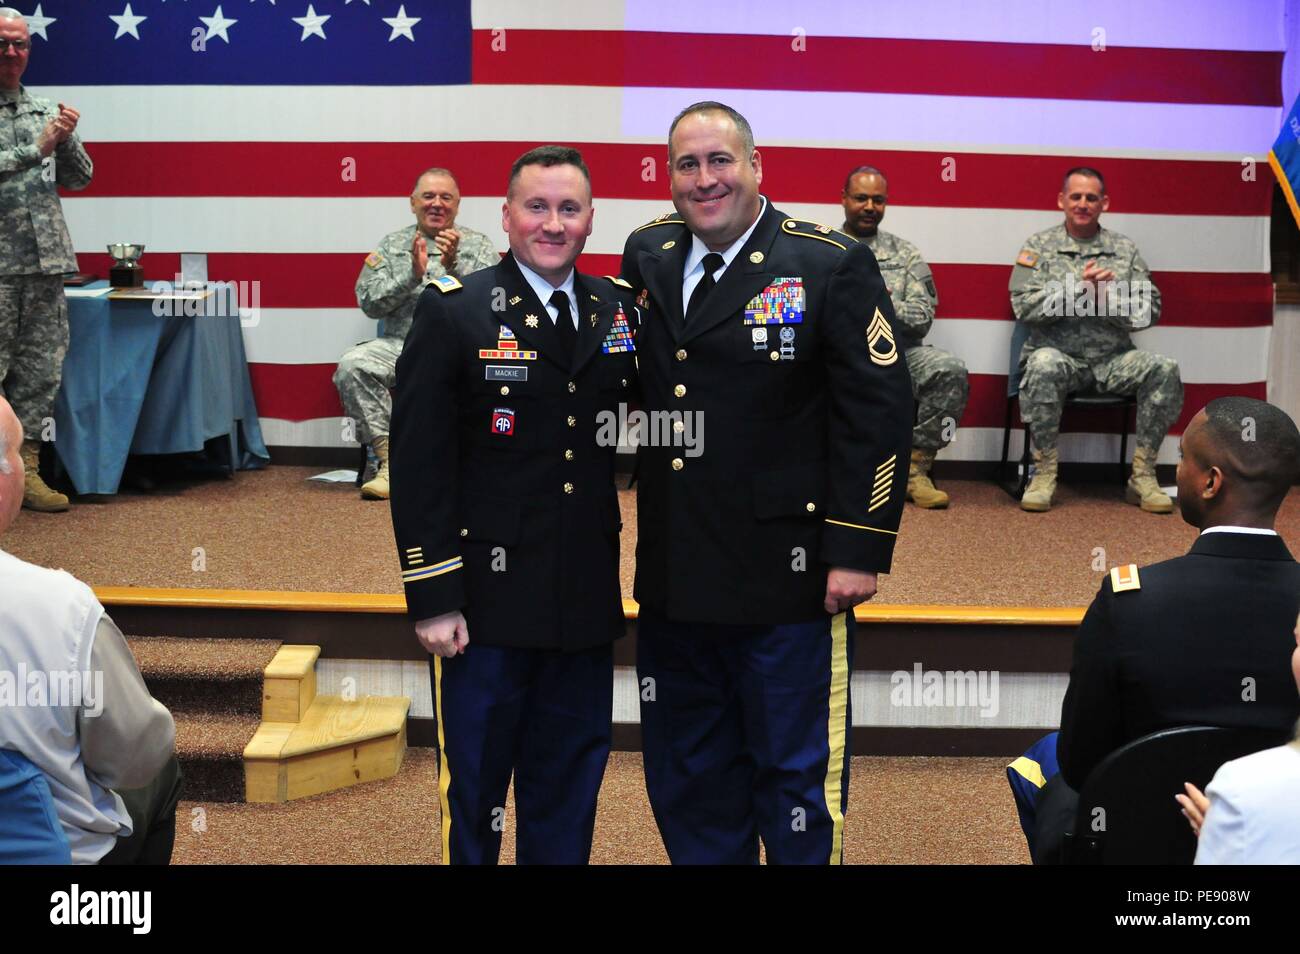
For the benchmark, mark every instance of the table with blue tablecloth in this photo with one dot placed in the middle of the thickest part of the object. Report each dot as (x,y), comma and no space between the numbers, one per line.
(135,382)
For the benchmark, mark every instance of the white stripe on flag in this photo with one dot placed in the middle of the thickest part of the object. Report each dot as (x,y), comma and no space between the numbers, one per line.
(610,114)
(305,335)
(1201,243)
(1176,24)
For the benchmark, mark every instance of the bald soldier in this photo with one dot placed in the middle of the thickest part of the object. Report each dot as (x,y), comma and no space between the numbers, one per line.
(1172,644)
(388,288)
(939,382)
(39,151)
(1081,290)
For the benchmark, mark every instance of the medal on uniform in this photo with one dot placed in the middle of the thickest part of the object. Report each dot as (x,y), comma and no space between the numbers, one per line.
(780,303)
(760,338)
(787,344)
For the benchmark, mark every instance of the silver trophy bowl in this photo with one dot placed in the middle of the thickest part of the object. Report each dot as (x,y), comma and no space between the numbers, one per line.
(125,253)
(126,271)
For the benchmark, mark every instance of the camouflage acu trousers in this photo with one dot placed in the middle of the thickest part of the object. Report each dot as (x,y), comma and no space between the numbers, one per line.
(941,388)
(1051,374)
(33,341)
(365,374)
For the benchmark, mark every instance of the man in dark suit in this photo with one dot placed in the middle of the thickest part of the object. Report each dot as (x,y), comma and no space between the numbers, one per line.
(753,550)
(1205,638)
(507,520)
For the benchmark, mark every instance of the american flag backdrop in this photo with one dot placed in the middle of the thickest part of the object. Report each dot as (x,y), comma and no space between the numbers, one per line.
(282,136)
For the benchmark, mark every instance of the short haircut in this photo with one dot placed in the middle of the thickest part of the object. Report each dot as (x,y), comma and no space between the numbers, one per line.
(1083,171)
(9,13)
(1258,443)
(548,156)
(712,106)
(863,171)
(433,171)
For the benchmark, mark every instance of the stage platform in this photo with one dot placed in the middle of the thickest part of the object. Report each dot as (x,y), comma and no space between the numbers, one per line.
(983,598)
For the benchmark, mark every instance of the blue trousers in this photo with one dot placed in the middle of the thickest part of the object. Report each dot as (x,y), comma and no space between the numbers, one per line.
(745,736)
(540,714)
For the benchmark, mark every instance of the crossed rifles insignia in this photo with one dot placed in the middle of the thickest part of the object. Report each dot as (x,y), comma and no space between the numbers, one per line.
(880,341)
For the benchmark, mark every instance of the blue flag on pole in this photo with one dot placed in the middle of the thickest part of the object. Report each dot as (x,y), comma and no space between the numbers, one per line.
(1284,157)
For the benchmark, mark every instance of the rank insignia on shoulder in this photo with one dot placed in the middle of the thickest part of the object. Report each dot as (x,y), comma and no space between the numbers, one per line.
(373,260)
(618,281)
(1028,258)
(664,218)
(1124,578)
(880,341)
(812,230)
(447,283)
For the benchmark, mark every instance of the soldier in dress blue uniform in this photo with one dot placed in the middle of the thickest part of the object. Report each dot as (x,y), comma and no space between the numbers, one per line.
(507,520)
(752,555)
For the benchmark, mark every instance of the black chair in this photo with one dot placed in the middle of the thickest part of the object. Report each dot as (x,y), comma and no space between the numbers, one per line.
(1007,479)
(1127,814)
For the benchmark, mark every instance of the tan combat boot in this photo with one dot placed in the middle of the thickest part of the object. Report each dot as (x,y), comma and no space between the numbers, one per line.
(1143,489)
(36,495)
(377,487)
(1038,495)
(920,490)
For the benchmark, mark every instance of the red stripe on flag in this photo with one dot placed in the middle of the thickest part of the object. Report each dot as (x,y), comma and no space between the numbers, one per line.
(315,280)
(859,64)
(619,171)
(1188,299)
(987,406)
(295,392)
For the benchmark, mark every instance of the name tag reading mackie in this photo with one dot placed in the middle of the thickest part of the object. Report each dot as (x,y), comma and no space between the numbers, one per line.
(503,372)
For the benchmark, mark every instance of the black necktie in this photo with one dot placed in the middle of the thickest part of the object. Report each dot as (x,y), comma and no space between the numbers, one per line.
(564,329)
(712,262)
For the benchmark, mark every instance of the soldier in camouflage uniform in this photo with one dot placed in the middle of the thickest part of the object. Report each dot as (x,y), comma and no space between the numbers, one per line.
(388,289)
(39,151)
(1081,289)
(939,382)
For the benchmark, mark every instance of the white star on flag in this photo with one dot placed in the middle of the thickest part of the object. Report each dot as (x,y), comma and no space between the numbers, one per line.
(311,23)
(127,23)
(401,24)
(217,25)
(36,23)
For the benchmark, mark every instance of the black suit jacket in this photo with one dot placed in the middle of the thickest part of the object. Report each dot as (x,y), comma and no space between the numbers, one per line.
(1206,640)
(503,501)
(805,437)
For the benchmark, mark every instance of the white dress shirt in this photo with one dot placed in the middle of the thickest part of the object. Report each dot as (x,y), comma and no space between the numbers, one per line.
(544,290)
(693,270)
(1260,531)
